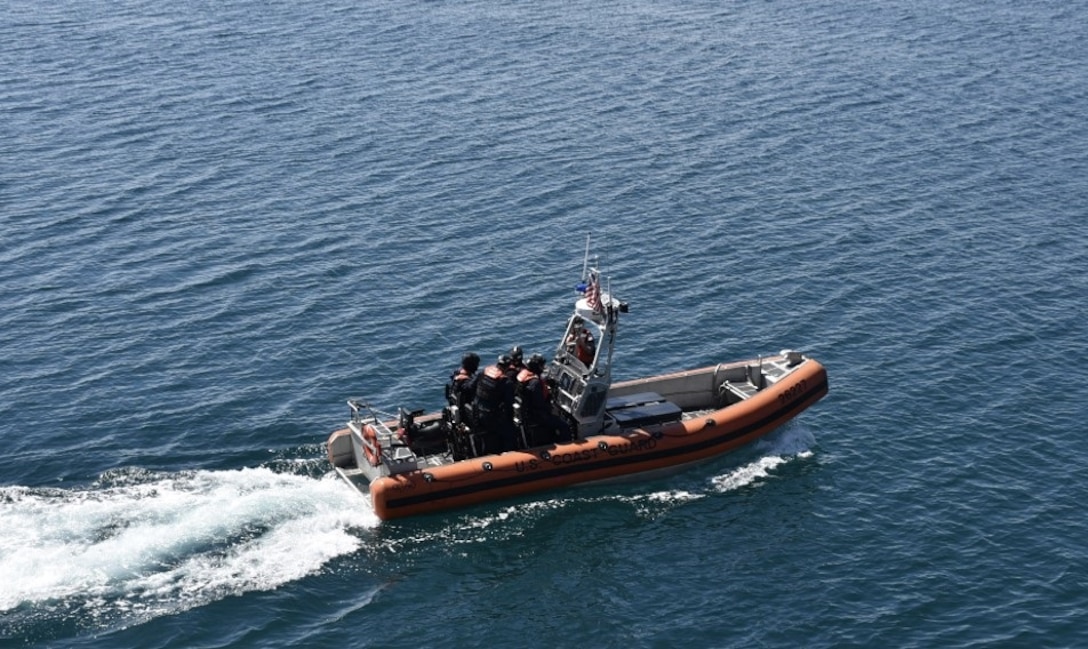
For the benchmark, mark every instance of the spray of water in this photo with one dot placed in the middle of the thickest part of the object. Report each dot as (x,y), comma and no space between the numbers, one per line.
(141,544)
(773,451)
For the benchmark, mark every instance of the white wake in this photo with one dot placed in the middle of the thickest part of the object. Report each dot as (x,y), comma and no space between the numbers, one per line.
(778,448)
(148,544)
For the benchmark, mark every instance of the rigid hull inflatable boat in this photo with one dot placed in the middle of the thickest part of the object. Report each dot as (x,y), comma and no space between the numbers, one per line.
(613,431)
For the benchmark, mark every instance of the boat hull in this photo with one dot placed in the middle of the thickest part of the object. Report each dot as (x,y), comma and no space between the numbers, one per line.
(597,457)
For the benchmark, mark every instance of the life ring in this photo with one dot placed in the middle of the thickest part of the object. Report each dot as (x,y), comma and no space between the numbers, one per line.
(371,446)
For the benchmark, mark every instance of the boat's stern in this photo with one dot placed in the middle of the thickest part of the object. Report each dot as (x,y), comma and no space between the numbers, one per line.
(369,448)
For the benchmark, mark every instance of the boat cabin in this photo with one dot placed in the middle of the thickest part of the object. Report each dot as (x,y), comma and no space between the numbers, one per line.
(581,368)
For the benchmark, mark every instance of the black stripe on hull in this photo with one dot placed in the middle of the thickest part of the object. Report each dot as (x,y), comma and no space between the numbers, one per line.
(773,420)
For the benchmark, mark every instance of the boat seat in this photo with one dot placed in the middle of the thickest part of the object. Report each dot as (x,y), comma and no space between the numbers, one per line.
(627,401)
(647,414)
(741,390)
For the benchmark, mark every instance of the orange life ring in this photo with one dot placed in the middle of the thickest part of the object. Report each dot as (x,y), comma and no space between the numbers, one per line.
(371,446)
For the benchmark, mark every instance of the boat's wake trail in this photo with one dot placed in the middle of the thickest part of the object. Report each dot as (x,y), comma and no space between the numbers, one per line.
(776,449)
(137,545)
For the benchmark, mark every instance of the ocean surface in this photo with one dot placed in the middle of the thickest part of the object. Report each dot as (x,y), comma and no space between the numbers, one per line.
(220,220)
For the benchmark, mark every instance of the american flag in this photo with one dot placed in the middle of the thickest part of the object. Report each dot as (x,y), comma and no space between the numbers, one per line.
(593,294)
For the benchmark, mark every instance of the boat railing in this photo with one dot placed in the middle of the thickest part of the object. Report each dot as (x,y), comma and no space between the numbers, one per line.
(396,456)
(363,413)
(739,383)
(755,377)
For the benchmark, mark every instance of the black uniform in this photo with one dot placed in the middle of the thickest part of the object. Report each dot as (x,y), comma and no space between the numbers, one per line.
(494,409)
(535,408)
(461,389)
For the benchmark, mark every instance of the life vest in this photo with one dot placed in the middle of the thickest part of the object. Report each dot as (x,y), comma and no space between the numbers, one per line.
(527,375)
(584,348)
(489,390)
(534,405)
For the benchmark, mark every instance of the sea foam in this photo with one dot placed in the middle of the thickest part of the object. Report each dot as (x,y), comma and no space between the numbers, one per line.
(161,543)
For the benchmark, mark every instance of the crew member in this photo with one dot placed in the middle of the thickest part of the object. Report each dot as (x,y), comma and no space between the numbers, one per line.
(494,407)
(580,342)
(516,363)
(461,389)
(460,393)
(534,398)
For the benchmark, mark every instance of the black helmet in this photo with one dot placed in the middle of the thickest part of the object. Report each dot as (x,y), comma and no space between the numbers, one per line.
(536,363)
(470,362)
(504,361)
(516,353)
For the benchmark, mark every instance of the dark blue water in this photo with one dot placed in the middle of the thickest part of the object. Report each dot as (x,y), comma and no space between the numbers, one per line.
(221,219)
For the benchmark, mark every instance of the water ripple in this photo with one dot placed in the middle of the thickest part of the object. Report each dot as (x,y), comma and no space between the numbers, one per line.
(220,220)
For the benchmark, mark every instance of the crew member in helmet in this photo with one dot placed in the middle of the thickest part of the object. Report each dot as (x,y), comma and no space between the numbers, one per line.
(460,393)
(534,398)
(494,407)
(461,389)
(516,363)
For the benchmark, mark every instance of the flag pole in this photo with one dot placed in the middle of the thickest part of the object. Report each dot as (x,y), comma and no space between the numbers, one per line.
(585,260)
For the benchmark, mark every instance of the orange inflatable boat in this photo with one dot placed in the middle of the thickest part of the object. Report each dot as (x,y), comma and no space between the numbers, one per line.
(596,430)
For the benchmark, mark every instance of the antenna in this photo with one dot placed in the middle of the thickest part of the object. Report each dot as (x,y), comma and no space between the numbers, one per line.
(585,261)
